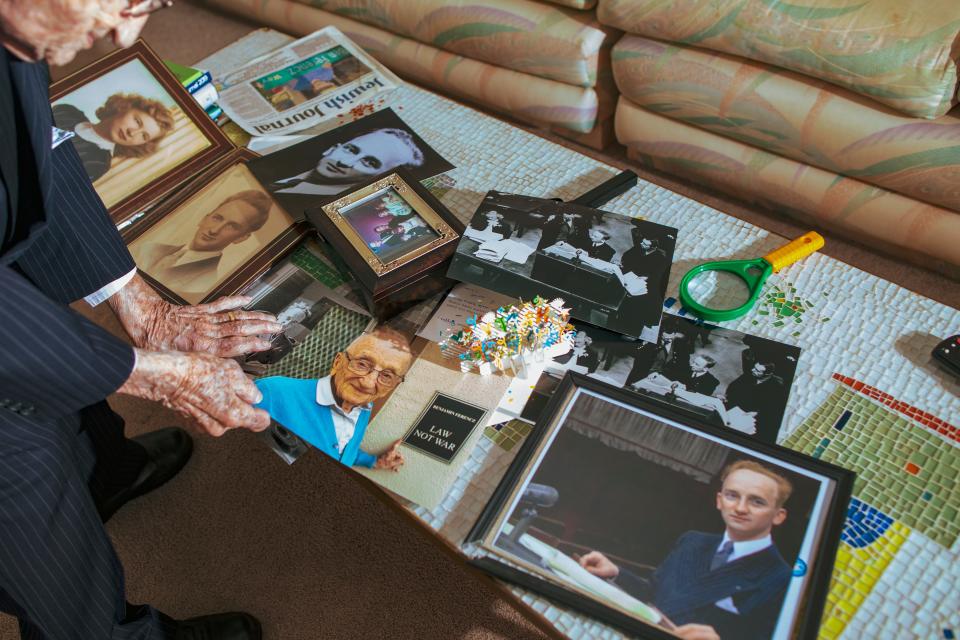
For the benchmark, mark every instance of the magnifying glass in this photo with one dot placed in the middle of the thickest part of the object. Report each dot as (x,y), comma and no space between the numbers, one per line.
(727,289)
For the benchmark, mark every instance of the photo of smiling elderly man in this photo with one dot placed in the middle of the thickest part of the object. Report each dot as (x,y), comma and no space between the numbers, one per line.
(311,172)
(332,413)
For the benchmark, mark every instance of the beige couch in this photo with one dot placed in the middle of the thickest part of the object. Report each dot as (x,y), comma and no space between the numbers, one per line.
(835,112)
(543,62)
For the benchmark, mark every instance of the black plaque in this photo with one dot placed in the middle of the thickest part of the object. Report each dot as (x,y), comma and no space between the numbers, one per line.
(444,426)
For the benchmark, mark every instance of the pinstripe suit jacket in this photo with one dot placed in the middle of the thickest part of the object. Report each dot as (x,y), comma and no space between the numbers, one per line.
(57,244)
(686,590)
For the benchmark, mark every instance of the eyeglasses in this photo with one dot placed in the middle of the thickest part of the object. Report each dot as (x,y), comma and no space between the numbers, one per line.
(139,9)
(363,366)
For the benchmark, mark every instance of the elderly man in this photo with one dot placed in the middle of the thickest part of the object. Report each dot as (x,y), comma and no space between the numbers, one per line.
(332,413)
(191,269)
(728,585)
(65,464)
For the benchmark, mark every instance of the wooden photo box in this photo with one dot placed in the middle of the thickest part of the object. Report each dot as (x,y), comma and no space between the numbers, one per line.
(393,237)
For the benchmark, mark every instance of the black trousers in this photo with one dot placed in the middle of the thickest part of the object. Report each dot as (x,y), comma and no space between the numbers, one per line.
(59,573)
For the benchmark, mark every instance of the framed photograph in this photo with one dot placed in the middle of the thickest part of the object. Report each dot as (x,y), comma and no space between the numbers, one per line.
(317,170)
(725,377)
(214,236)
(392,236)
(610,269)
(138,132)
(651,521)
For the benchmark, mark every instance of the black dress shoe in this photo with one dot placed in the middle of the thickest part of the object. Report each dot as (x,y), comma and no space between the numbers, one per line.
(168,451)
(220,626)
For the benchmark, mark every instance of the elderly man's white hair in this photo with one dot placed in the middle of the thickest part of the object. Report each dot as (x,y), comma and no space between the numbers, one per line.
(394,337)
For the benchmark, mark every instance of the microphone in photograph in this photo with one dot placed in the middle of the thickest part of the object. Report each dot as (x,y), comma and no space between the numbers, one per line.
(533,497)
(540,495)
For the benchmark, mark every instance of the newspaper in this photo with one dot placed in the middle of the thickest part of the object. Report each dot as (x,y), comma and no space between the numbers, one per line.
(310,85)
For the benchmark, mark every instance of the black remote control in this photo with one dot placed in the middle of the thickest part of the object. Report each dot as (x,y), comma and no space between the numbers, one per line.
(948,353)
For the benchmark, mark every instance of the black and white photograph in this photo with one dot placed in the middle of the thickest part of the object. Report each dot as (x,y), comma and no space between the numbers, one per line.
(600,354)
(311,172)
(610,269)
(672,528)
(299,302)
(726,377)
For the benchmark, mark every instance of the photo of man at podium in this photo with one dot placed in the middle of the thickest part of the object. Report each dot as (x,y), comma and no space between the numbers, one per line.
(673,527)
(530,246)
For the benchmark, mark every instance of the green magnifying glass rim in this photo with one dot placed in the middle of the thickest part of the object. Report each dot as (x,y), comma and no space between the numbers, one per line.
(753,272)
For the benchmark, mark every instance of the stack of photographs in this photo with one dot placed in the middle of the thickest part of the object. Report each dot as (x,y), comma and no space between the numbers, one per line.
(202,218)
(722,376)
(610,269)
(662,524)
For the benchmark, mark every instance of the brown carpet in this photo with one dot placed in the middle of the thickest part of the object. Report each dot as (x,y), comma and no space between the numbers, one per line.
(313,550)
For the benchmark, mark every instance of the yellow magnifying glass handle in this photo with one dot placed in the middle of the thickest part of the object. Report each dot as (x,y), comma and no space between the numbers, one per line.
(794,251)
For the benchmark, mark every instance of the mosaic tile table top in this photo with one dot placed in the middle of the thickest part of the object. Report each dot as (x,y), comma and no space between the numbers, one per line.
(898,567)
(866,395)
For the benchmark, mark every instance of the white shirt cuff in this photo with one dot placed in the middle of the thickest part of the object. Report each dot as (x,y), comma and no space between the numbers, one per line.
(106,291)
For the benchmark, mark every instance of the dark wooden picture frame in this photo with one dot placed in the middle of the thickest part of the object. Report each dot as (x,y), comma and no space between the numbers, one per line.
(120,203)
(820,533)
(390,286)
(251,268)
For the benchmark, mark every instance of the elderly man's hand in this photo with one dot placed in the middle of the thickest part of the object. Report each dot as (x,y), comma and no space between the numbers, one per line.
(391,459)
(215,328)
(212,391)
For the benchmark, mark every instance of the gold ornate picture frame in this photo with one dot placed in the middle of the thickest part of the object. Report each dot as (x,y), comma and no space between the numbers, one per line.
(407,220)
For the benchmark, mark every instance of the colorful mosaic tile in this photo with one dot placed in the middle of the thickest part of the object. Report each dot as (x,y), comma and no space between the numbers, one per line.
(905,490)
(864,525)
(896,462)
(780,304)
(508,434)
(859,566)
(916,597)
(918,415)
(316,267)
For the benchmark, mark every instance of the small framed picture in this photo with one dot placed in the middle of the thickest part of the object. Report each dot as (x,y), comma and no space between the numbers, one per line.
(213,237)
(655,522)
(388,232)
(138,132)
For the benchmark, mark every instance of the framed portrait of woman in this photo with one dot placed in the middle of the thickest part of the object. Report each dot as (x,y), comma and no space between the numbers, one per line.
(138,132)
(214,236)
